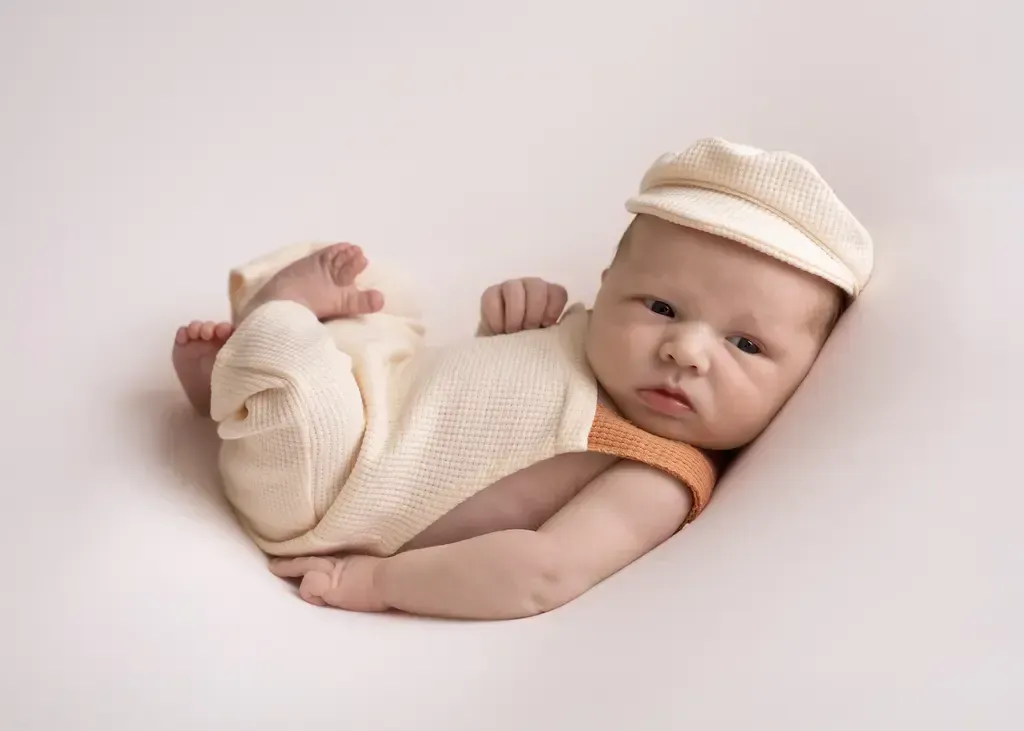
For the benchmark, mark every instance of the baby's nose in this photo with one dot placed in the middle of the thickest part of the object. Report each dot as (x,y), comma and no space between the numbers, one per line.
(689,348)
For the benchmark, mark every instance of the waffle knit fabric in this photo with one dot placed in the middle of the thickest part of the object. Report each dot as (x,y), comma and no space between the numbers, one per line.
(772,201)
(354,436)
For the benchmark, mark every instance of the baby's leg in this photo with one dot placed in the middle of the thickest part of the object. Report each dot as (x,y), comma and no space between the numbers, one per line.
(287,405)
(324,282)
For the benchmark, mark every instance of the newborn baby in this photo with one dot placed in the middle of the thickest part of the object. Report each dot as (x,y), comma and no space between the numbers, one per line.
(503,476)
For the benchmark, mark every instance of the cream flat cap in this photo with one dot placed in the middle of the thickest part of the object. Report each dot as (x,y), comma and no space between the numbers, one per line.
(774,202)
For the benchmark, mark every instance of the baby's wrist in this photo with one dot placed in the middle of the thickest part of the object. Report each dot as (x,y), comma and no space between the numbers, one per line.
(362,572)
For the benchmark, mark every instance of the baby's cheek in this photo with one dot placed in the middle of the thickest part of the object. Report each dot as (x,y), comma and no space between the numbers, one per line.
(639,342)
(617,347)
(748,394)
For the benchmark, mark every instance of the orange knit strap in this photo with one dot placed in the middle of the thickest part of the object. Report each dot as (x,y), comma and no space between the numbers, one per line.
(611,434)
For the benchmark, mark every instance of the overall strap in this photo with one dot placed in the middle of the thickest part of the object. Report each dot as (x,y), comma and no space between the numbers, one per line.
(611,434)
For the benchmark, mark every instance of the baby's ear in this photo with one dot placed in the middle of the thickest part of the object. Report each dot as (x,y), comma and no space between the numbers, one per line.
(604,273)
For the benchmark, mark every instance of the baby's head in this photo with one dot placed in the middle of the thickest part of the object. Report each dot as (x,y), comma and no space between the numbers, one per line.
(722,292)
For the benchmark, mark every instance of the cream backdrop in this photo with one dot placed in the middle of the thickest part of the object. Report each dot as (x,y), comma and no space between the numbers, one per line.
(861,567)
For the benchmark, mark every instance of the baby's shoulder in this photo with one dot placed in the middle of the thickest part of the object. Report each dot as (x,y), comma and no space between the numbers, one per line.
(697,469)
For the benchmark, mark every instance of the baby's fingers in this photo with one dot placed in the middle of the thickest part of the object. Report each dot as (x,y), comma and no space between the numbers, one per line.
(294,568)
(492,309)
(315,587)
(536,296)
(513,295)
(321,578)
(557,298)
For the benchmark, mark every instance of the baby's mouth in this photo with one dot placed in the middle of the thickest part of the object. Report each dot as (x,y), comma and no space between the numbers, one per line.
(669,401)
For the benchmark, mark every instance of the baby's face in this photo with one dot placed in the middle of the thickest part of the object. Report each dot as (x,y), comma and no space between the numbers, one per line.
(702,340)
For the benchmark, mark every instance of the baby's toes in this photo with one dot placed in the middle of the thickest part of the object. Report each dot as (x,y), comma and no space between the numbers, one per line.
(181,337)
(347,263)
(223,330)
(362,302)
(194,329)
(335,256)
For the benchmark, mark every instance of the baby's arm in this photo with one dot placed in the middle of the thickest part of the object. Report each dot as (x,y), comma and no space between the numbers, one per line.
(620,516)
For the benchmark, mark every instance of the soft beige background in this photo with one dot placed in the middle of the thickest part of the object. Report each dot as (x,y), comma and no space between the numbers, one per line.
(861,569)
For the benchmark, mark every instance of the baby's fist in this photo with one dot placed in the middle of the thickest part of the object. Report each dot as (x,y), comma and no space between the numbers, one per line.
(521,304)
(346,583)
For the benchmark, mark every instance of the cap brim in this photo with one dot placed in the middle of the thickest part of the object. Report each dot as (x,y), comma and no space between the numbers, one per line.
(746,223)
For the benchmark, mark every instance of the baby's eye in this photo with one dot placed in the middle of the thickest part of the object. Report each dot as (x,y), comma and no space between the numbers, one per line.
(660,308)
(745,344)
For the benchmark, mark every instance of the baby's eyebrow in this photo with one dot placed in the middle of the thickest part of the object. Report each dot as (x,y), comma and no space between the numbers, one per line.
(749,321)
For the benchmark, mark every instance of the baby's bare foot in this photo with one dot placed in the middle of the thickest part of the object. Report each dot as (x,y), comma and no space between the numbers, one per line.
(195,349)
(325,283)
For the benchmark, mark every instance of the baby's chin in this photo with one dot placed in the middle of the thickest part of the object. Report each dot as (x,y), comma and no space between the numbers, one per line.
(667,427)
(690,430)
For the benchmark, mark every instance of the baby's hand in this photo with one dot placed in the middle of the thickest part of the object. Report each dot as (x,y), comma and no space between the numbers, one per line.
(346,583)
(521,304)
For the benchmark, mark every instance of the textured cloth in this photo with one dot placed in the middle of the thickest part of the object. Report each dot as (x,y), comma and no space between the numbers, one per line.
(774,202)
(355,436)
(611,434)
